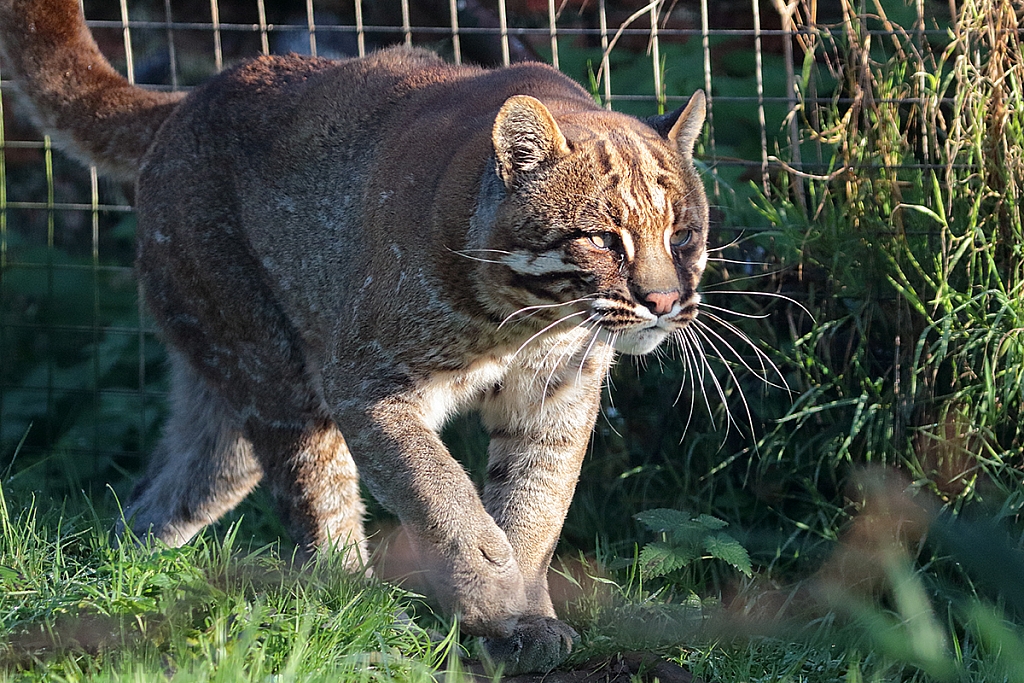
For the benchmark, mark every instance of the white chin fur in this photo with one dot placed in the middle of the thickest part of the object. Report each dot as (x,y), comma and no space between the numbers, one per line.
(640,342)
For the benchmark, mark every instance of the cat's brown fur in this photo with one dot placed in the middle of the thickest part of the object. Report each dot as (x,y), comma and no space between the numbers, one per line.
(364,248)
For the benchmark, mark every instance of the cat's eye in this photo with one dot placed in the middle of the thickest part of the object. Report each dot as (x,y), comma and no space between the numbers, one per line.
(605,240)
(680,238)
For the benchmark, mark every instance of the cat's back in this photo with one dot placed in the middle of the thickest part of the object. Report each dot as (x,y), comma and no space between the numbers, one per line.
(273,103)
(279,147)
(307,105)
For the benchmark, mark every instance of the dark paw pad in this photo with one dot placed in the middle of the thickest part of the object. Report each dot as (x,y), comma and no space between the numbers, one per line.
(538,644)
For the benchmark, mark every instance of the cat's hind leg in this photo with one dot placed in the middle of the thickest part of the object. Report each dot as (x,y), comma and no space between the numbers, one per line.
(205,464)
(314,481)
(202,467)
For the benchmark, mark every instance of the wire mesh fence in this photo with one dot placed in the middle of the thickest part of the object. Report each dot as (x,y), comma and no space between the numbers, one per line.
(82,370)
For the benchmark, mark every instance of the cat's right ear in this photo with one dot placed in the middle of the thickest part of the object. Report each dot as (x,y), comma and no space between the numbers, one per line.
(525,136)
(683,125)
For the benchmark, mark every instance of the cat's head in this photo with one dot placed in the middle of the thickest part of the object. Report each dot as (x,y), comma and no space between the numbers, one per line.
(602,221)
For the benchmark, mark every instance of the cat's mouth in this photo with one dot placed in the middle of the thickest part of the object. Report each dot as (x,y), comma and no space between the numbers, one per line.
(643,331)
(639,342)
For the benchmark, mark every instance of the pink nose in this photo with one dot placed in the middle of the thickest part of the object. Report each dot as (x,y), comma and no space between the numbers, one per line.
(661,303)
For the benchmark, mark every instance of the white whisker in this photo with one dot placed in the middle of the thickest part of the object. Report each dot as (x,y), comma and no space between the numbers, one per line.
(554,368)
(688,374)
(492,251)
(762,375)
(590,347)
(725,246)
(564,354)
(612,337)
(641,363)
(745,278)
(477,258)
(719,259)
(539,307)
(770,295)
(659,355)
(545,329)
(611,404)
(735,380)
(761,355)
(464,253)
(692,346)
(749,316)
(729,419)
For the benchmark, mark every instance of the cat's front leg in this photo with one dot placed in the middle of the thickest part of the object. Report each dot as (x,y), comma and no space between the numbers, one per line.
(473,569)
(540,420)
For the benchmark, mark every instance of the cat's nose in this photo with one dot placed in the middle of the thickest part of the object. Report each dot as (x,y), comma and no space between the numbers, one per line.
(661,303)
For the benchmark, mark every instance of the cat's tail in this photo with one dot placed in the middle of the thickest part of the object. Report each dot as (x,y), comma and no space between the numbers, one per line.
(88,108)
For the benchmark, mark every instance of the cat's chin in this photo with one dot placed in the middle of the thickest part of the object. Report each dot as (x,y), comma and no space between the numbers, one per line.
(640,342)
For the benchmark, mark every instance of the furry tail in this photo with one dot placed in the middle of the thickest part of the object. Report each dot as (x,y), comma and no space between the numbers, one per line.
(90,110)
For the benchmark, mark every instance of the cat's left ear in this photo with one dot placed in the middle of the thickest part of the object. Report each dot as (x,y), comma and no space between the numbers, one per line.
(683,125)
(525,137)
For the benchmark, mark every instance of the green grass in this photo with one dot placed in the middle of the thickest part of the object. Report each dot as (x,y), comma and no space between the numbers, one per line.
(74,607)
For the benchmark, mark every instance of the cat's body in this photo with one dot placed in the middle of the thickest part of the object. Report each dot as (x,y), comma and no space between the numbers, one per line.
(365,248)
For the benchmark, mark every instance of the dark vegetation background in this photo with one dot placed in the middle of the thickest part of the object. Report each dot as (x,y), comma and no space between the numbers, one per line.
(863,399)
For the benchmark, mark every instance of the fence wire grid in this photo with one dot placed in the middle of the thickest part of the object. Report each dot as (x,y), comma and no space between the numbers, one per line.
(81,368)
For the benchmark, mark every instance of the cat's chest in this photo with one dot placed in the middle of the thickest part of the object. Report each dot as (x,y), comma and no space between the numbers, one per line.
(446,393)
(529,372)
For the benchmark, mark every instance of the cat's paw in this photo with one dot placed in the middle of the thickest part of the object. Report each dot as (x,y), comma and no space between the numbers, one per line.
(537,645)
(488,596)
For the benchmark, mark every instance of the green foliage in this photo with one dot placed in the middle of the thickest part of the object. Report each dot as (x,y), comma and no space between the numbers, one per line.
(685,539)
(906,248)
(76,369)
(916,362)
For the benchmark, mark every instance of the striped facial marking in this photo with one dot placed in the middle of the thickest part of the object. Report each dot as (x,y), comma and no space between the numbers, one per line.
(546,263)
(635,179)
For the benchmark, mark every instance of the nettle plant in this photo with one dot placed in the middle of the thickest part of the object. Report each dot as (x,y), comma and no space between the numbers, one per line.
(685,539)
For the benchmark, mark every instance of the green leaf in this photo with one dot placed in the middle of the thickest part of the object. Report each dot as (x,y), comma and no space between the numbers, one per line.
(8,574)
(659,559)
(663,519)
(711,523)
(726,548)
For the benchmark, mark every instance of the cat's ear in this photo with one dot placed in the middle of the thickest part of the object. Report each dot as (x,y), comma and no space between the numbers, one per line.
(683,125)
(525,136)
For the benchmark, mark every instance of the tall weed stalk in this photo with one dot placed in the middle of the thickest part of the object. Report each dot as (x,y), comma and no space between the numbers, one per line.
(910,248)
(906,244)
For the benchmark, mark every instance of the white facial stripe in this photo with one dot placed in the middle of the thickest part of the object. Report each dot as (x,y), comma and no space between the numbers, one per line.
(528,263)
(671,229)
(652,203)
(628,206)
(655,193)
(627,244)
